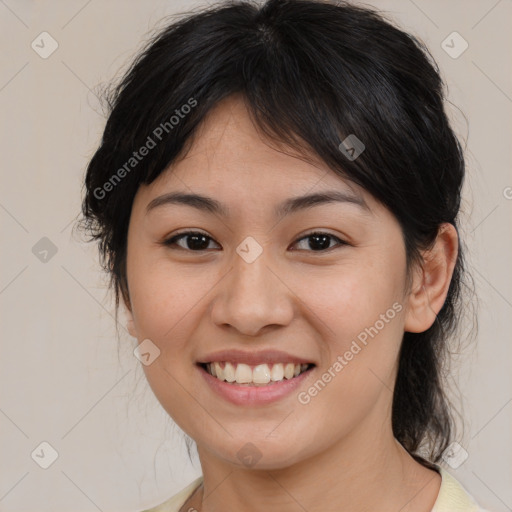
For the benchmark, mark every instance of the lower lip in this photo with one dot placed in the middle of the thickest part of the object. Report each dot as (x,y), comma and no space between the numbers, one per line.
(254,395)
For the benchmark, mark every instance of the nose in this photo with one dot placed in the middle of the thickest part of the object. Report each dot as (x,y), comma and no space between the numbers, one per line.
(252,297)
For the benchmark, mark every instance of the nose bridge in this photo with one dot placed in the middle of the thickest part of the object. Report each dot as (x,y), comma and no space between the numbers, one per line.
(251,296)
(250,273)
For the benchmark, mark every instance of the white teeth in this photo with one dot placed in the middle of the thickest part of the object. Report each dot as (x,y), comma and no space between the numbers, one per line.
(277,372)
(243,374)
(259,375)
(229,372)
(289,371)
(219,372)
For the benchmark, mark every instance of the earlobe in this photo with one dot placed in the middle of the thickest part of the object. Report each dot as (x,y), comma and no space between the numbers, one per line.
(432,281)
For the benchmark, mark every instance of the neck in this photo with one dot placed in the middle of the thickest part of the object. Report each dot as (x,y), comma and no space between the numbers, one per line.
(362,472)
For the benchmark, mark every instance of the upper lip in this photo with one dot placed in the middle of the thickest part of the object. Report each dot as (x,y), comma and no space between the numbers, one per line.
(253,358)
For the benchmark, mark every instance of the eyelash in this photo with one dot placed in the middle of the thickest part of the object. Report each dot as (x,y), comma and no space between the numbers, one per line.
(170,242)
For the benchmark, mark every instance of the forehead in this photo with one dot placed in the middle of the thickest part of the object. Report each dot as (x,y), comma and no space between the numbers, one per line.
(230,161)
(229,150)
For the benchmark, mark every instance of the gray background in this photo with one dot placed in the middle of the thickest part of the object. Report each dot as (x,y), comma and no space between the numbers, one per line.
(61,379)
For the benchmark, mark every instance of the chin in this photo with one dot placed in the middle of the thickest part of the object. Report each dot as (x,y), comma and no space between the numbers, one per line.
(253,452)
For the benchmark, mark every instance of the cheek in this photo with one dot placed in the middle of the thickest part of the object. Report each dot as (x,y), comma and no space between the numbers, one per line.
(352,297)
(359,311)
(354,387)
(166,309)
(163,296)
(166,305)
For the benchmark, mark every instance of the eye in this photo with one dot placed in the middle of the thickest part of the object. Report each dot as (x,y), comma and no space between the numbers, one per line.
(197,241)
(319,241)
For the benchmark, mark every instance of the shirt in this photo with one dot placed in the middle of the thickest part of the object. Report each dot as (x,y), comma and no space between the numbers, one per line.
(452,497)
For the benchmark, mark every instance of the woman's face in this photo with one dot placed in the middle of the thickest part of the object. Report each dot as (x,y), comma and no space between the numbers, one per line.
(256,285)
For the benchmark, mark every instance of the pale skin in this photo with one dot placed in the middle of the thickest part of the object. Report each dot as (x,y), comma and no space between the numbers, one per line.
(337,452)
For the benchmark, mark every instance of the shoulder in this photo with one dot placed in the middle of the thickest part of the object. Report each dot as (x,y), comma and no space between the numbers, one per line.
(174,503)
(453,497)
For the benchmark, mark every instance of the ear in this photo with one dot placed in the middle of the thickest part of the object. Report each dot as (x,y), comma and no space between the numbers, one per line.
(431,282)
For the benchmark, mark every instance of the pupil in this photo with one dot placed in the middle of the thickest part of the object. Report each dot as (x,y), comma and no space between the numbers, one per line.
(324,245)
(197,245)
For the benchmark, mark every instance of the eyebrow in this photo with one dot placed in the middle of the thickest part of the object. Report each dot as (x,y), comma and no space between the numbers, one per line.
(292,205)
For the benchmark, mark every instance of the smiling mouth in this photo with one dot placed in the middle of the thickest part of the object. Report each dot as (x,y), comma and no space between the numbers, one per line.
(254,375)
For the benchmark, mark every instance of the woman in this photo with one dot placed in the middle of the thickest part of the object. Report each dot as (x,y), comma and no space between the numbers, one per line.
(276,198)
